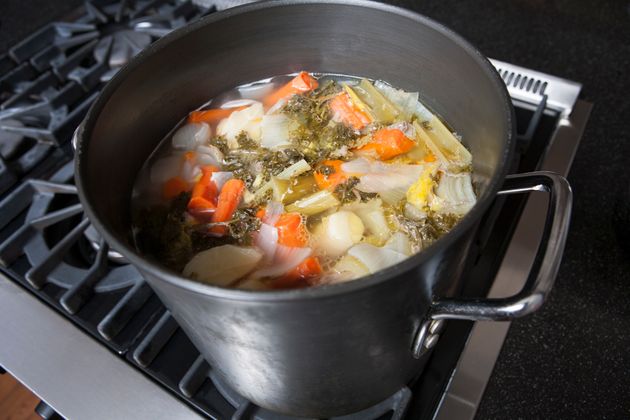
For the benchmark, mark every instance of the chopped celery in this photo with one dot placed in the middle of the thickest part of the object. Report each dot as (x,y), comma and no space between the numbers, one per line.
(381,107)
(300,187)
(314,203)
(298,168)
(443,144)
(356,101)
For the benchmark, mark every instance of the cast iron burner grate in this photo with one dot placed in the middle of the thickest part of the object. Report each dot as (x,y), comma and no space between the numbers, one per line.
(50,79)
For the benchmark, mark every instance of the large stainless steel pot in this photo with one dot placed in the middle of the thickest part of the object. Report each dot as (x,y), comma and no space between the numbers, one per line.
(334,349)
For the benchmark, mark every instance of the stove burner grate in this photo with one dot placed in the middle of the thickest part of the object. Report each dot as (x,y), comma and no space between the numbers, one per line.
(51,78)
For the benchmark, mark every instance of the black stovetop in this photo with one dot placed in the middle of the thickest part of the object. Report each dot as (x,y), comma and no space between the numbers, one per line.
(47,82)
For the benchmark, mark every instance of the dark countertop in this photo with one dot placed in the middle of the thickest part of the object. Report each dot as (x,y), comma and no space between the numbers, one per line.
(572,358)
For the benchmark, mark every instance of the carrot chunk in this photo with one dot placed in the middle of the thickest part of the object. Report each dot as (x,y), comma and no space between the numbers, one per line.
(344,110)
(291,230)
(300,276)
(229,199)
(387,143)
(333,179)
(174,187)
(212,116)
(301,83)
(204,194)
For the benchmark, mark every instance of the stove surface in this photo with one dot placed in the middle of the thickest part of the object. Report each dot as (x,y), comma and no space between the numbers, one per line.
(50,250)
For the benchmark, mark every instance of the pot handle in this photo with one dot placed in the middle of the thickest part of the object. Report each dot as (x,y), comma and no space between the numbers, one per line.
(540,279)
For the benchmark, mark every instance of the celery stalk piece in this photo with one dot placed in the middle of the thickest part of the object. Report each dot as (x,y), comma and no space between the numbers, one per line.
(314,203)
(381,107)
(356,101)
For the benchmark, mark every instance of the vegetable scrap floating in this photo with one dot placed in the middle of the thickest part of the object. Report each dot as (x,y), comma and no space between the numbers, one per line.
(319,180)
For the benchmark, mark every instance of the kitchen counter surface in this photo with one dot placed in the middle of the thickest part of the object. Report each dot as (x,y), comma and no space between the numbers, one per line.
(570,359)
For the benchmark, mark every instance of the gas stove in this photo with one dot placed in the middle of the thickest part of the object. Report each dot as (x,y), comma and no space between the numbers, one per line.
(85,331)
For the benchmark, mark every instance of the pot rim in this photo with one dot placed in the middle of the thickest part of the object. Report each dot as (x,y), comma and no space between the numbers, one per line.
(324,291)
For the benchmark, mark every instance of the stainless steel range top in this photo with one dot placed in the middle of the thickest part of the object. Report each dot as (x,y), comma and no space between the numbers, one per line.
(85,332)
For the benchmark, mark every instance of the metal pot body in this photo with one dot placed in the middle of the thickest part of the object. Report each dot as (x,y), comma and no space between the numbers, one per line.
(320,357)
(323,351)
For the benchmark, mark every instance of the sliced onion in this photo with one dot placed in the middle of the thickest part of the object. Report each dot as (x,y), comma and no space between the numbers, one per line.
(407,102)
(338,232)
(405,127)
(190,171)
(267,240)
(276,107)
(456,194)
(373,217)
(220,178)
(287,258)
(165,168)
(375,258)
(399,242)
(272,212)
(246,120)
(275,131)
(190,135)
(209,155)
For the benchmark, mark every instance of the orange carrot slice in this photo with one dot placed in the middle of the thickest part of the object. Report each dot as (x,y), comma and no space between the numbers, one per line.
(387,143)
(344,110)
(174,187)
(301,83)
(291,230)
(204,194)
(332,180)
(212,116)
(300,276)
(229,199)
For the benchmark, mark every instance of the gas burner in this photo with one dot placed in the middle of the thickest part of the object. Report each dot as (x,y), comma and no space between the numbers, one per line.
(52,77)
(56,239)
(126,28)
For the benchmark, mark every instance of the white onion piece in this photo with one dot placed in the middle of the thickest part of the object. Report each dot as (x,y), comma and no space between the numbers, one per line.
(373,217)
(375,258)
(276,107)
(272,212)
(390,180)
(236,103)
(391,187)
(165,168)
(414,213)
(223,264)
(220,178)
(287,258)
(455,194)
(399,242)
(405,127)
(348,268)
(190,171)
(407,102)
(209,155)
(246,120)
(294,170)
(267,240)
(275,131)
(190,135)
(338,232)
